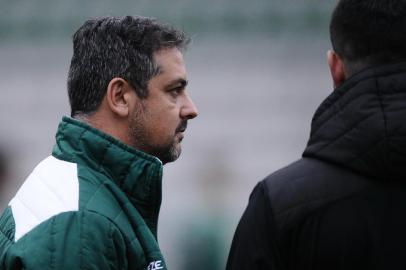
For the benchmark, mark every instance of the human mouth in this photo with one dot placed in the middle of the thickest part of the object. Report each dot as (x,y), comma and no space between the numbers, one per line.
(180,130)
(182,127)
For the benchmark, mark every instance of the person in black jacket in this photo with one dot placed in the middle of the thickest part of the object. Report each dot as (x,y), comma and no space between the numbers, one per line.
(343,204)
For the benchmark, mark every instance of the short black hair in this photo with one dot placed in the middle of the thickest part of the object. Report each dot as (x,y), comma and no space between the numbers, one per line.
(109,47)
(369,32)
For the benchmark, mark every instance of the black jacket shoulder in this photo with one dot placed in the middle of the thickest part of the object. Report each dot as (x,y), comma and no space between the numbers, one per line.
(316,215)
(306,185)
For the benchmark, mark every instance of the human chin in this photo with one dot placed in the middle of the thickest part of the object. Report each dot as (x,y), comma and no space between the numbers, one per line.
(172,152)
(169,153)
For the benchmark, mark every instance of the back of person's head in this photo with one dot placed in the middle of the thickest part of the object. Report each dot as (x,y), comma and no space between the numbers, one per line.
(109,47)
(365,33)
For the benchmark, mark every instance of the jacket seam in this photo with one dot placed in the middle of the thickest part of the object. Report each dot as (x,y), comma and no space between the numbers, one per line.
(123,175)
(103,157)
(276,246)
(339,197)
(360,156)
(97,188)
(340,136)
(5,236)
(52,251)
(340,109)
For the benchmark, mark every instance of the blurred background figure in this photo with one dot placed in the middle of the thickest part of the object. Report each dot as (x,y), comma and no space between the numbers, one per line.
(246,63)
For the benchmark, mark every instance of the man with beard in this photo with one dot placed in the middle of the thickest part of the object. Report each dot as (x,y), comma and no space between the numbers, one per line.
(94,203)
(343,204)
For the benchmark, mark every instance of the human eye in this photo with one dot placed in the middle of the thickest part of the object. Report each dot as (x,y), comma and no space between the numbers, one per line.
(176,91)
(178,88)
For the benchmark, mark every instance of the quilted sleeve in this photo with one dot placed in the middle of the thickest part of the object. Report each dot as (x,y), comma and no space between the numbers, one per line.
(71,240)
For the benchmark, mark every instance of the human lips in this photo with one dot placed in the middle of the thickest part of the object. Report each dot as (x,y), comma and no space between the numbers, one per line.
(180,130)
(182,127)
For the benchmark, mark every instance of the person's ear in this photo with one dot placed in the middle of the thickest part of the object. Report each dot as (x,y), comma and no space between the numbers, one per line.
(336,66)
(119,97)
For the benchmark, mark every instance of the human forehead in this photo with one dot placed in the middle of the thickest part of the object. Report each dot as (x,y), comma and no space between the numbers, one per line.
(170,60)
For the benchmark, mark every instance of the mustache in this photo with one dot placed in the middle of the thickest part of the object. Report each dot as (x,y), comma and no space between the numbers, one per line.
(182,126)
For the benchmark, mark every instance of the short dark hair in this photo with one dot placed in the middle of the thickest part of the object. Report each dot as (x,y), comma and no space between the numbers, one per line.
(108,47)
(369,32)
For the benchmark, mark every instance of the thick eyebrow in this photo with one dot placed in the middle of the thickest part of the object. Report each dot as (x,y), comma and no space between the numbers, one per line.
(178,83)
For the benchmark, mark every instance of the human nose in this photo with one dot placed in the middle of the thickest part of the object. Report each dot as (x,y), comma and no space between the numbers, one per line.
(189,109)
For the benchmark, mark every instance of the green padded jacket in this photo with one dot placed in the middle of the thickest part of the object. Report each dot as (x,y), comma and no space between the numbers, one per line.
(92,204)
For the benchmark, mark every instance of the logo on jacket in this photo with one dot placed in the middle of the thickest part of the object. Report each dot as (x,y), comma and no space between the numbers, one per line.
(155,265)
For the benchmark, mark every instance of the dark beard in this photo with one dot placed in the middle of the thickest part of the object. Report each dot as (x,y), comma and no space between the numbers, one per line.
(171,152)
(168,152)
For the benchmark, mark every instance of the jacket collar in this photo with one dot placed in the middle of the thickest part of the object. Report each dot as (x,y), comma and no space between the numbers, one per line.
(362,124)
(136,173)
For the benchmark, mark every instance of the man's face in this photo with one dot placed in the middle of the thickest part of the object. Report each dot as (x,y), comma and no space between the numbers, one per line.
(158,122)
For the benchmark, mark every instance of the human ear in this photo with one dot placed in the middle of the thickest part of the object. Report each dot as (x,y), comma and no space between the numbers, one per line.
(118,96)
(336,66)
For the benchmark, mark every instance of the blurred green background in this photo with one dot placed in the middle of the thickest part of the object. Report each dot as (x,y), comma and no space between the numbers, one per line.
(39,19)
(257,73)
